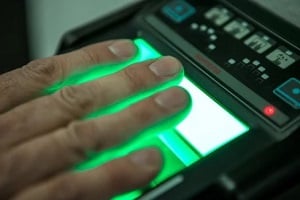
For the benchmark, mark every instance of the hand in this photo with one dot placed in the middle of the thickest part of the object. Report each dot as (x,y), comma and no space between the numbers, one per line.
(42,137)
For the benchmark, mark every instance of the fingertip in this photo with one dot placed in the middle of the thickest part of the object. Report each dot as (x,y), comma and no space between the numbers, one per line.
(166,67)
(147,159)
(123,49)
(173,98)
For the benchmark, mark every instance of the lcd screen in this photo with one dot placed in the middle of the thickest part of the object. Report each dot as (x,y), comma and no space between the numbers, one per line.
(207,126)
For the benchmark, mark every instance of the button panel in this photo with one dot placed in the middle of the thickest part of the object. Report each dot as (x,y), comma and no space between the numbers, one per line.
(250,53)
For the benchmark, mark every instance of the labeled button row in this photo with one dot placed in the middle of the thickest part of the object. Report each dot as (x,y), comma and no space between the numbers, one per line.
(254,67)
(258,41)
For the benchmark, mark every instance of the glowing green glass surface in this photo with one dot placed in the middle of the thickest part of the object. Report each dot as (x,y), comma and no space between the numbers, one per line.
(207,127)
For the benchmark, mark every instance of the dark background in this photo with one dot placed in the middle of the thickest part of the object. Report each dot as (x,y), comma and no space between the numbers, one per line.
(13,35)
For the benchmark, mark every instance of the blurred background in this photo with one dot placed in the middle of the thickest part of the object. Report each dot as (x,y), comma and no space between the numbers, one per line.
(32,29)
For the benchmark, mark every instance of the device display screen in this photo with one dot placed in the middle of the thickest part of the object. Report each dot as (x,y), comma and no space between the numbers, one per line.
(207,127)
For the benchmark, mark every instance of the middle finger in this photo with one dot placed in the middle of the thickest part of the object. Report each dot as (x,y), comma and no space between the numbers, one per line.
(51,112)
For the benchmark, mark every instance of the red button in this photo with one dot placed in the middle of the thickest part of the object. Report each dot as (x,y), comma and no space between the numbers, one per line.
(269,110)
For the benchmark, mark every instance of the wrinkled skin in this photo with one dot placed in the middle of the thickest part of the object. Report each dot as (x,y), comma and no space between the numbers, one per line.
(42,136)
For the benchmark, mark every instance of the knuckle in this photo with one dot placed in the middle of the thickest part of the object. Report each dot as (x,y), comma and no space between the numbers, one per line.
(8,181)
(74,100)
(89,55)
(43,71)
(72,142)
(84,136)
(122,174)
(4,163)
(7,81)
(65,188)
(5,127)
(134,79)
(143,115)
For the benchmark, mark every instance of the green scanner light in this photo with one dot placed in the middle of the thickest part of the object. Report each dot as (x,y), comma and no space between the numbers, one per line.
(207,127)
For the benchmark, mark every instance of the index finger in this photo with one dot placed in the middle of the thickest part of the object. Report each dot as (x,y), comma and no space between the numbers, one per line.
(25,83)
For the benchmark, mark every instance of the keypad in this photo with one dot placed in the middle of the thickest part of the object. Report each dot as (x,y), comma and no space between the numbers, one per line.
(240,47)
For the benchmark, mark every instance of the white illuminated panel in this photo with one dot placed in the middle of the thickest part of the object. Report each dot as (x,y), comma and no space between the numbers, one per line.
(208,126)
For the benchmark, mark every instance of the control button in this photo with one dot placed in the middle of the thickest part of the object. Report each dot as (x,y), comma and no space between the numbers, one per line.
(265,76)
(194,26)
(282,57)
(231,61)
(212,47)
(213,37)
(289,91)
(178,10)
(259,42)
(269,110)
(256,62)
(211,31)
(238,28)
(218,15)
(246,61)
(203,28)
(261,69)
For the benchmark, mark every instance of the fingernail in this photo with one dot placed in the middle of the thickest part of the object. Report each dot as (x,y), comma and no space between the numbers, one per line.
(172,98)
(166,67)
(149,158)
(123,48)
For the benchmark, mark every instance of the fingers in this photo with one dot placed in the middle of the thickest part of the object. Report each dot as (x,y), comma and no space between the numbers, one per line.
(118,176)
(24,83)
(55,152)
(71,103)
